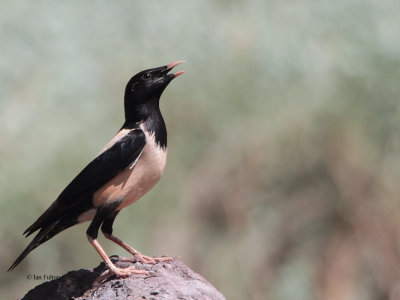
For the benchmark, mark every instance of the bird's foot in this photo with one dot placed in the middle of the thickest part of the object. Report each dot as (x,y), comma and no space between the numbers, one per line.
(120,272)
(144,259)
(137,256)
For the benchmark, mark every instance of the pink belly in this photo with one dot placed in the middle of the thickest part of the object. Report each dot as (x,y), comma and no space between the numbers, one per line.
(133,183)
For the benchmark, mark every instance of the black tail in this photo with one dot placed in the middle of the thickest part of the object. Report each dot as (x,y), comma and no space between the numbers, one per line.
(43,235)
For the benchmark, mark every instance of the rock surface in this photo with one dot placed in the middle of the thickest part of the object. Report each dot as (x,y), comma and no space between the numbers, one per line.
(167,280)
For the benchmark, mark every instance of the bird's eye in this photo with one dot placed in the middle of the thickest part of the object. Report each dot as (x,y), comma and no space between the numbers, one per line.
(146,75)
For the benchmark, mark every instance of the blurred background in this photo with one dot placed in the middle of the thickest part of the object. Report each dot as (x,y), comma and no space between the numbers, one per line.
(282,179)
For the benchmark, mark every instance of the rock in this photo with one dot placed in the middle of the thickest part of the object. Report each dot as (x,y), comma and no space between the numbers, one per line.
(166,280)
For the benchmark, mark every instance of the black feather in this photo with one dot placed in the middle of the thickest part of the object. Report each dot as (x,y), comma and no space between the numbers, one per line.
(43,235)
(103,168)
(77,197)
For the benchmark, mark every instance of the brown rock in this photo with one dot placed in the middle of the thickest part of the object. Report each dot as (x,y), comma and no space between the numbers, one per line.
(167,280)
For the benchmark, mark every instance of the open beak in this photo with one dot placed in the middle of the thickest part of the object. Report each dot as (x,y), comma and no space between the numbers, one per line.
(172,65)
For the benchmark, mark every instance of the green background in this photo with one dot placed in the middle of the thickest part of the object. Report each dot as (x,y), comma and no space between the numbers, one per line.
(282,179)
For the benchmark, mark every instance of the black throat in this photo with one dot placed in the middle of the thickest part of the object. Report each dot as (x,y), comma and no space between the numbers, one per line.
(148,115)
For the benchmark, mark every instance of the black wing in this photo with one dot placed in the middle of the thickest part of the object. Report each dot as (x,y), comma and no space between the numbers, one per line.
(77,196)
(98,172)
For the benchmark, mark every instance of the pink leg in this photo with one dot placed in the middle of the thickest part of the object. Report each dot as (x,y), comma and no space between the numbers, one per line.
(144,259)
(112,268)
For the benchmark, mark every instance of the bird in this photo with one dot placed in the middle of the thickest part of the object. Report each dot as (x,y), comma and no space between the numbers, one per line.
(124,170)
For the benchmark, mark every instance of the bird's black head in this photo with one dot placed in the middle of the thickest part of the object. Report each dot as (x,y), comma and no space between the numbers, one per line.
(143,90)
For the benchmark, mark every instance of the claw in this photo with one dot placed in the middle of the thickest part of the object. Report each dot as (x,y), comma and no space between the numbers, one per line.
(128,271)
(120,273)
(144,259)
(113,269)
